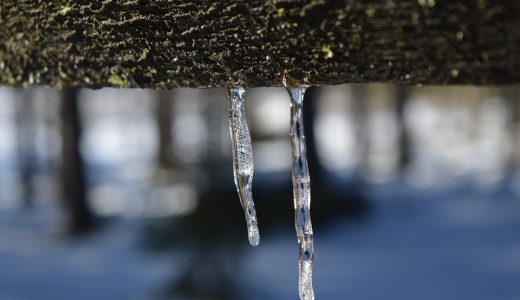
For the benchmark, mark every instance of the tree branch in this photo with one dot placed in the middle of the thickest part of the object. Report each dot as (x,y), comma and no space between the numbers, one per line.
(172,43)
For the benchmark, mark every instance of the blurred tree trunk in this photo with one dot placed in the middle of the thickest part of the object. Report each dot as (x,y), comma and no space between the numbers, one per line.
(309,115)
(402,96)
(512,98)
(333,196)
(25,133)
(80,218)
(361,114)
(163,116)
(216,161)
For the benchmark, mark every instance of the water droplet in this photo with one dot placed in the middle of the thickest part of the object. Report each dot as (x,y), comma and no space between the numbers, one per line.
(243,160)
(460,35)
(301,194)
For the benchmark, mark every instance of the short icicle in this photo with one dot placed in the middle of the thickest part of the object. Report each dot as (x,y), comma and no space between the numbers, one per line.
(301,194)
(243,160)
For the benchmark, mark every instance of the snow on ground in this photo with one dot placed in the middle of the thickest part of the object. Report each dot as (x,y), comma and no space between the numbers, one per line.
(36,262)
(418,244)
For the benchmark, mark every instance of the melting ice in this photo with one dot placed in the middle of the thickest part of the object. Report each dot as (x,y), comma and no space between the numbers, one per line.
(301,194)
(243,160)
(243,171)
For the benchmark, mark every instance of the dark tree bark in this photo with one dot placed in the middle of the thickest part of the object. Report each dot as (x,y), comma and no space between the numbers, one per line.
(173,43)
(80,218)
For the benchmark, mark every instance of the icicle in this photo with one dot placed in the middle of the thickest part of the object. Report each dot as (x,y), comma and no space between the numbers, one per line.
(301,193)
(243,160)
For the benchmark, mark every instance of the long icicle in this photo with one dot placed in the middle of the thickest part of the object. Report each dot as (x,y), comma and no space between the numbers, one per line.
(243,160)
(301,193)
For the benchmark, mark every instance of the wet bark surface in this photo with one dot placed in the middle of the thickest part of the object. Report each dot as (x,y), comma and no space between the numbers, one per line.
(170,43)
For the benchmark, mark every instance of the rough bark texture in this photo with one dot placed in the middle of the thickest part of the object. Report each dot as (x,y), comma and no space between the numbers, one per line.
(206,43)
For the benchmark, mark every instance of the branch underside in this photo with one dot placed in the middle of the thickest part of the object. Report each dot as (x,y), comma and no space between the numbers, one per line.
(171,43)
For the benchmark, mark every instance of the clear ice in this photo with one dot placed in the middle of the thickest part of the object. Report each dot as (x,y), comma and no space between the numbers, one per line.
(243,160)
(301,194)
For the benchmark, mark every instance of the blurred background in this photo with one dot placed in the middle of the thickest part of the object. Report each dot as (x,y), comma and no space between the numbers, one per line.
(128,194)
